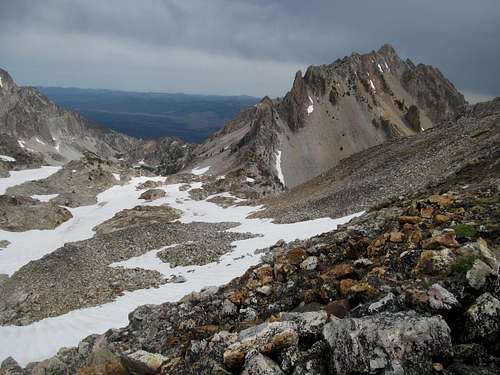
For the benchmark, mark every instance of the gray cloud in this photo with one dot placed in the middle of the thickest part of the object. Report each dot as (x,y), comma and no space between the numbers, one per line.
(238,46)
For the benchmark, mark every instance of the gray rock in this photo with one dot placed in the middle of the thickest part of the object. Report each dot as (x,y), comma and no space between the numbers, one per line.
(266,338)
(258,364)
(309,263)
(440,298)
(482,319)
(10,367)
(477,275)
(382,304)
(52,366)
(308,323)
(228,308)
(397,343)
(151,360)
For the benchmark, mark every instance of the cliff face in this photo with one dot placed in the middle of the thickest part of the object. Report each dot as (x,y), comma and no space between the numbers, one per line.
(332,112)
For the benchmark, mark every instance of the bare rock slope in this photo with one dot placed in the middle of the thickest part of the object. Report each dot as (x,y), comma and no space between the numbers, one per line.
(465,148)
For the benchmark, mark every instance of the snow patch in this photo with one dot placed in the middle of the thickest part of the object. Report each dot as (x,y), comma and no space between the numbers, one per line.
(18,177)
(278,167)
(7,158)
(116,176)
(421,128)
(39,141)
(44,197)
(198,171)
(372,86)
(250,179)
(221,177)
(21,143)
(380,68)
(1,84)
(57,147)
(387,66)
(310,109)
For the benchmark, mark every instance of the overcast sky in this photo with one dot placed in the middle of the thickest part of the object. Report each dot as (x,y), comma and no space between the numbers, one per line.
(249,47)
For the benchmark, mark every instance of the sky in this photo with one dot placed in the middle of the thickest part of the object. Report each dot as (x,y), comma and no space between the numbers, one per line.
(232,47)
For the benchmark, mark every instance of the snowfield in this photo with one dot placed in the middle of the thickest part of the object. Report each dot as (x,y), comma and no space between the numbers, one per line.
(18,177)
(200,171)
(44,338)
(7,158)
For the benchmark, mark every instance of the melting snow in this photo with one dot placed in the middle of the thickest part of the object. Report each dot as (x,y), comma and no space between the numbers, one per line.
(372,86)
(29,343)
(278,167)
(18,177)
(198,171)
(44,197)
(310,109)
(7,158)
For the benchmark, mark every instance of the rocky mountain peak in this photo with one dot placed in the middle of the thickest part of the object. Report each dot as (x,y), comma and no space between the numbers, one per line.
(333,111)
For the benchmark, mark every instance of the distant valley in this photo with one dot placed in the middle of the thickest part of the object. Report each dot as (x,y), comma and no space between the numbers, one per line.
(152,115)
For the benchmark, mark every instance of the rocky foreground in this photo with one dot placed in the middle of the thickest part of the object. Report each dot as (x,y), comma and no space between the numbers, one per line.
(410,287)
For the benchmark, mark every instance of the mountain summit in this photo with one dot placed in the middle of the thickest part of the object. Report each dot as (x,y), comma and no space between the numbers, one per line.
(331,112)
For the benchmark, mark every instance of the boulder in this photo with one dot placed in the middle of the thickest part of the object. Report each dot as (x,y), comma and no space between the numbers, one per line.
(153,194)
(440,298)
(309,264)
(396,343)
(10,367)
(258,364)
(266,338)
(152,360)
(477,275)
(482,320)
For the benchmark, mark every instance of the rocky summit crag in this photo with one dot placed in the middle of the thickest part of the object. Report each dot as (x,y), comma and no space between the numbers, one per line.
(331,112)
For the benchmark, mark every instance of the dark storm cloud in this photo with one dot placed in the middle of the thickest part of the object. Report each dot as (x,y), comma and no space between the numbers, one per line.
(238,46)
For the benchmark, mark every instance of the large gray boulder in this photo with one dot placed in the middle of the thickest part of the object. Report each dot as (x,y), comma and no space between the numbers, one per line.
(391,343)
(258,364)
(482,320)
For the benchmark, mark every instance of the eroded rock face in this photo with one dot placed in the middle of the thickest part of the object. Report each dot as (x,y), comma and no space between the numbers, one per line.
(19,214)
(404,343)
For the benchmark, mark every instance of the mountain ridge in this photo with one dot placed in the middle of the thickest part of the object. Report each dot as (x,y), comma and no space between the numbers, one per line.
(331,112)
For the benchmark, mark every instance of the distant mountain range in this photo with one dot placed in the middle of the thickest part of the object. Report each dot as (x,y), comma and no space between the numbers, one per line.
(152,115)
